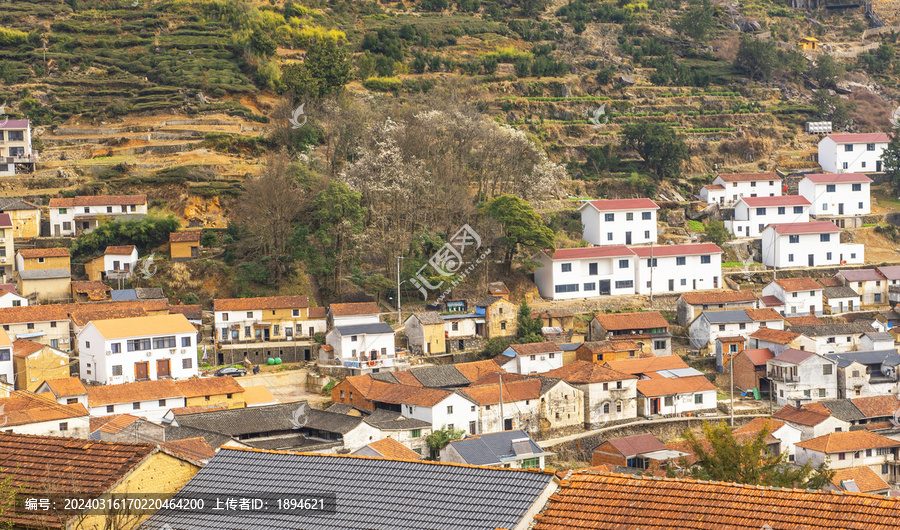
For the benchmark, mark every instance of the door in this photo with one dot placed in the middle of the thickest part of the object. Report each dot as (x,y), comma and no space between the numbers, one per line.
(163,368)
(695,285)
(56,230)
(654,406)
(265,333)
(195,252)
(312,331)
(812,310)
(507,424)
(671,285)
(460,345)
(141,371)
(812,261)
(841,208)
(427,348)
(878,166)
(307,354)
(840,307)
(289,332)
(604,287)
(627,238)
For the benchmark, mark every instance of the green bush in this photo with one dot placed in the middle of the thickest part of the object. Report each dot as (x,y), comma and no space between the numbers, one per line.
(383,84)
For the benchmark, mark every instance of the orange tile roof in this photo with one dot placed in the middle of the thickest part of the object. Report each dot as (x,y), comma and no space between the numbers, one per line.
(748,177)
(405,377)
(759,356)
(393,450)
(116,423)
(140,326)
(23,347)
(650,364)
(30,253)
(590,500)
(396,394)
(58,312)
(358,308)
(798,284)
(99,396)
(184,237)
(258,395)
(318,312)
(477,369)
(186,310)
(23,408)
(757,424)
(193,409)
(842,442)
(719,297)
(877,406)
(624,321)
(191,448)
(804,320)
(71,386)
(866,480)
(583,372)
(82,318)
(69,465)
(209,386)
(535,348)
(120,250)
(675,385)
(513,391)
(98,200)
(792,414)
(94,290)
(610,346)
(778,336)
(498,377)
(830,281)
(766,313)
(263,302)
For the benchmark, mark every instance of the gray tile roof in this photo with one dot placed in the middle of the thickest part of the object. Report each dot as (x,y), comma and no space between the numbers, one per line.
(393,421)
(363,329)
(339,408)
(569,346)
(879,335)
(852,328)
(839,292)
(269,418)
(15,203)
(487,301)
(45,274)
(384,377)
(440,376)
(214,439)
(495,448)
(843,409)
(726,317)
(430,317)
(371,493)
(879,357)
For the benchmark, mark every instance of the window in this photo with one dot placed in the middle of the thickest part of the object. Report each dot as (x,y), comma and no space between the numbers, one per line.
(136,405)
(503,325)
(185,342)
(881,451)
(590,286)
(449,426)
(162,402)
(567,288)
(877,297)
(863,165)
(629,216)
(353,338)
(247,331)
(165,342)
(606,408)
(225,317)
(415,433)
(657,345)
(794,295)
(827,369)
(115,347)
(109,209)
(552,356)
(646,234)
(821,392)
(842,456)
(721,327)
(623,263)
(830,188)
(610,217)
(794,239)
(605,385)
(110,408)
(62,211)
(117,369)
(742,325)
(752,183)
(870,147)
(860,206)
(868,452)
(781,210)
(609,236)
(566,267)
(855,373)
(798,209)
(454,326)
(824,237)
(449,409)
(187,364)
(790,257)
(618,406)
(625,284)
(63,426)
(54,343)
(760,211)
(683,281)
(698,399)
(31,326)
(473,408)
(529,463)
(680,260)
(531,357)
(654,264)
(705,259)
(592,269)
(848,148)
(830,340)
(646,216)
(342,394)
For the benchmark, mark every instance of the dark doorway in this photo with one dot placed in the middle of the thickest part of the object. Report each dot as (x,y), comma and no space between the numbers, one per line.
(507,424)
(604,287)
(812,261)
(627,238)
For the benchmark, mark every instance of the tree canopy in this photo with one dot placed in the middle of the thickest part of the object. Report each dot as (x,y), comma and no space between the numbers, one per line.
(326,69)
(658,144)
(438,439)
(755,57)
(891,160)
(528,329)
(521,226)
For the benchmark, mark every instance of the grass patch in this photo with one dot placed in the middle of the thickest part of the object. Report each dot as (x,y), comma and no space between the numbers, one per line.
(696,226)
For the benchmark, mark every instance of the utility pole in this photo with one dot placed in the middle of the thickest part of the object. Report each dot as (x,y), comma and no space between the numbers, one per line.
(502,422)
(651,275)
(399,314)
(731,369)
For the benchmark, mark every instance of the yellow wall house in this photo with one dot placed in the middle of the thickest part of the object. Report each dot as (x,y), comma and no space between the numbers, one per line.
(38,466)
(35,363)
(809,43)
(26,217)
(184,246)
(7,248)
(43,273)
(212,391)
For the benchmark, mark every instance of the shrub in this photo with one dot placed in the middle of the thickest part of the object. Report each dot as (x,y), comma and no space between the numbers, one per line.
(383,84)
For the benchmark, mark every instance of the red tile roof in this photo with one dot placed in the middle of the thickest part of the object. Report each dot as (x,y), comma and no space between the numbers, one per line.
(30,253)
(613,251)
(116,423)
(263,302)
(99,396)
(184,237)
(759,356)
(749,177)
(476,369)
(812,227)
(68,387)
(535,348)
(757,424)
(661,251)
(891,272)
(674,385)
(842,442)
(120,250)
(57,312)
(393,450)
(866,480)
(830,281)
(858,138)
(650,364)
(95,291)
(792,414)
(781,200)
(357,308)
(513,391)
(718,297)
(98,200)
(771,301)
(714,187)
(81,318)
(588,500)
(635,445)
(764,314)
(23,347)
(877,406)
(626,321)
(622,204)
(804,320)
(583,372)
(777,336)
(861,275)
(23,408)
(798,284)
(837,178)
(195,449)
(317,313)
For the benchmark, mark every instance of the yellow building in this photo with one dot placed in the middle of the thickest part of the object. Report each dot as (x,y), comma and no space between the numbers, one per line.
(35,363)
(211,391)
(809,43)
(425,333)
(26,217)
(66,467)
(184,246)
(7,248)
(500,316)
(272,318)
(43,273)
(32,259)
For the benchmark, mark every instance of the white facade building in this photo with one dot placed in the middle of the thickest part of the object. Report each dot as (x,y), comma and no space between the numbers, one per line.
(801,296)
(363,342)
(532,358)
(799,377)
(72,216)
(585,272)
(727,188)
(15,147)
(619,222)
(678,268)
(813,244)
(752,214)
(139,348)
(452,412)
(834,194)
(842,153)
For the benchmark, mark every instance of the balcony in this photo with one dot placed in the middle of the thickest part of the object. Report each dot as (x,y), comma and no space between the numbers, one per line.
(23,159)
(784,378)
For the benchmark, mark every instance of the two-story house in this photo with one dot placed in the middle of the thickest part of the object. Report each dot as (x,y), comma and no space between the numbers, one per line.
(585,272)
(608,395)
(425,333)
(531,404)
(43,273)
(727,188)
(837,194)
(500,316)
(25,216)
(353,313)
(843,450)
(16,155)
(841,299)
(649,330)
(774,340)
(72,216)
(531,358)
(869,284)
(619,222)
(832,338)
(601,352)
(868,373)
(811,423)
(677,268)
(710,325)
(799,377)
(843,153)
(117,263)
(463,331)
(138,349)
(690,305)
(812,244)
(361,346)
(801,296)
(35,363)
(752,214)
(262,319)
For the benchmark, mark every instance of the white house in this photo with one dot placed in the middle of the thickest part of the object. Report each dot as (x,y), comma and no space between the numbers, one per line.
(585,272)
(608,395)
(72,216)
(841,153)
(138,348)
(442,409)
(677,268)
(801,296)
(671,394)
(353,313)
(752,214)
(15,148)
(27,413)
(710,325)
(832,338)
(837,194)
(368,343)
(512,449)
(532,358)
(811,423)
(813,244)
(727,188)
(869,284)
(841,299)
(786,433)
(619,222)
(842,450)
(120,261)
(799,377)
(10,298)
(868,373)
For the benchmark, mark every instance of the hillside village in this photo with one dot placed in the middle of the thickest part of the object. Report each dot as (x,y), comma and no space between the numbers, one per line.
(473,265)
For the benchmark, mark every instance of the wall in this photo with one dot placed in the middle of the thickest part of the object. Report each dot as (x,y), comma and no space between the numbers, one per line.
(181,250)
(51,289)
(77,428)
(595,398)
(670,277)
(38,367)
